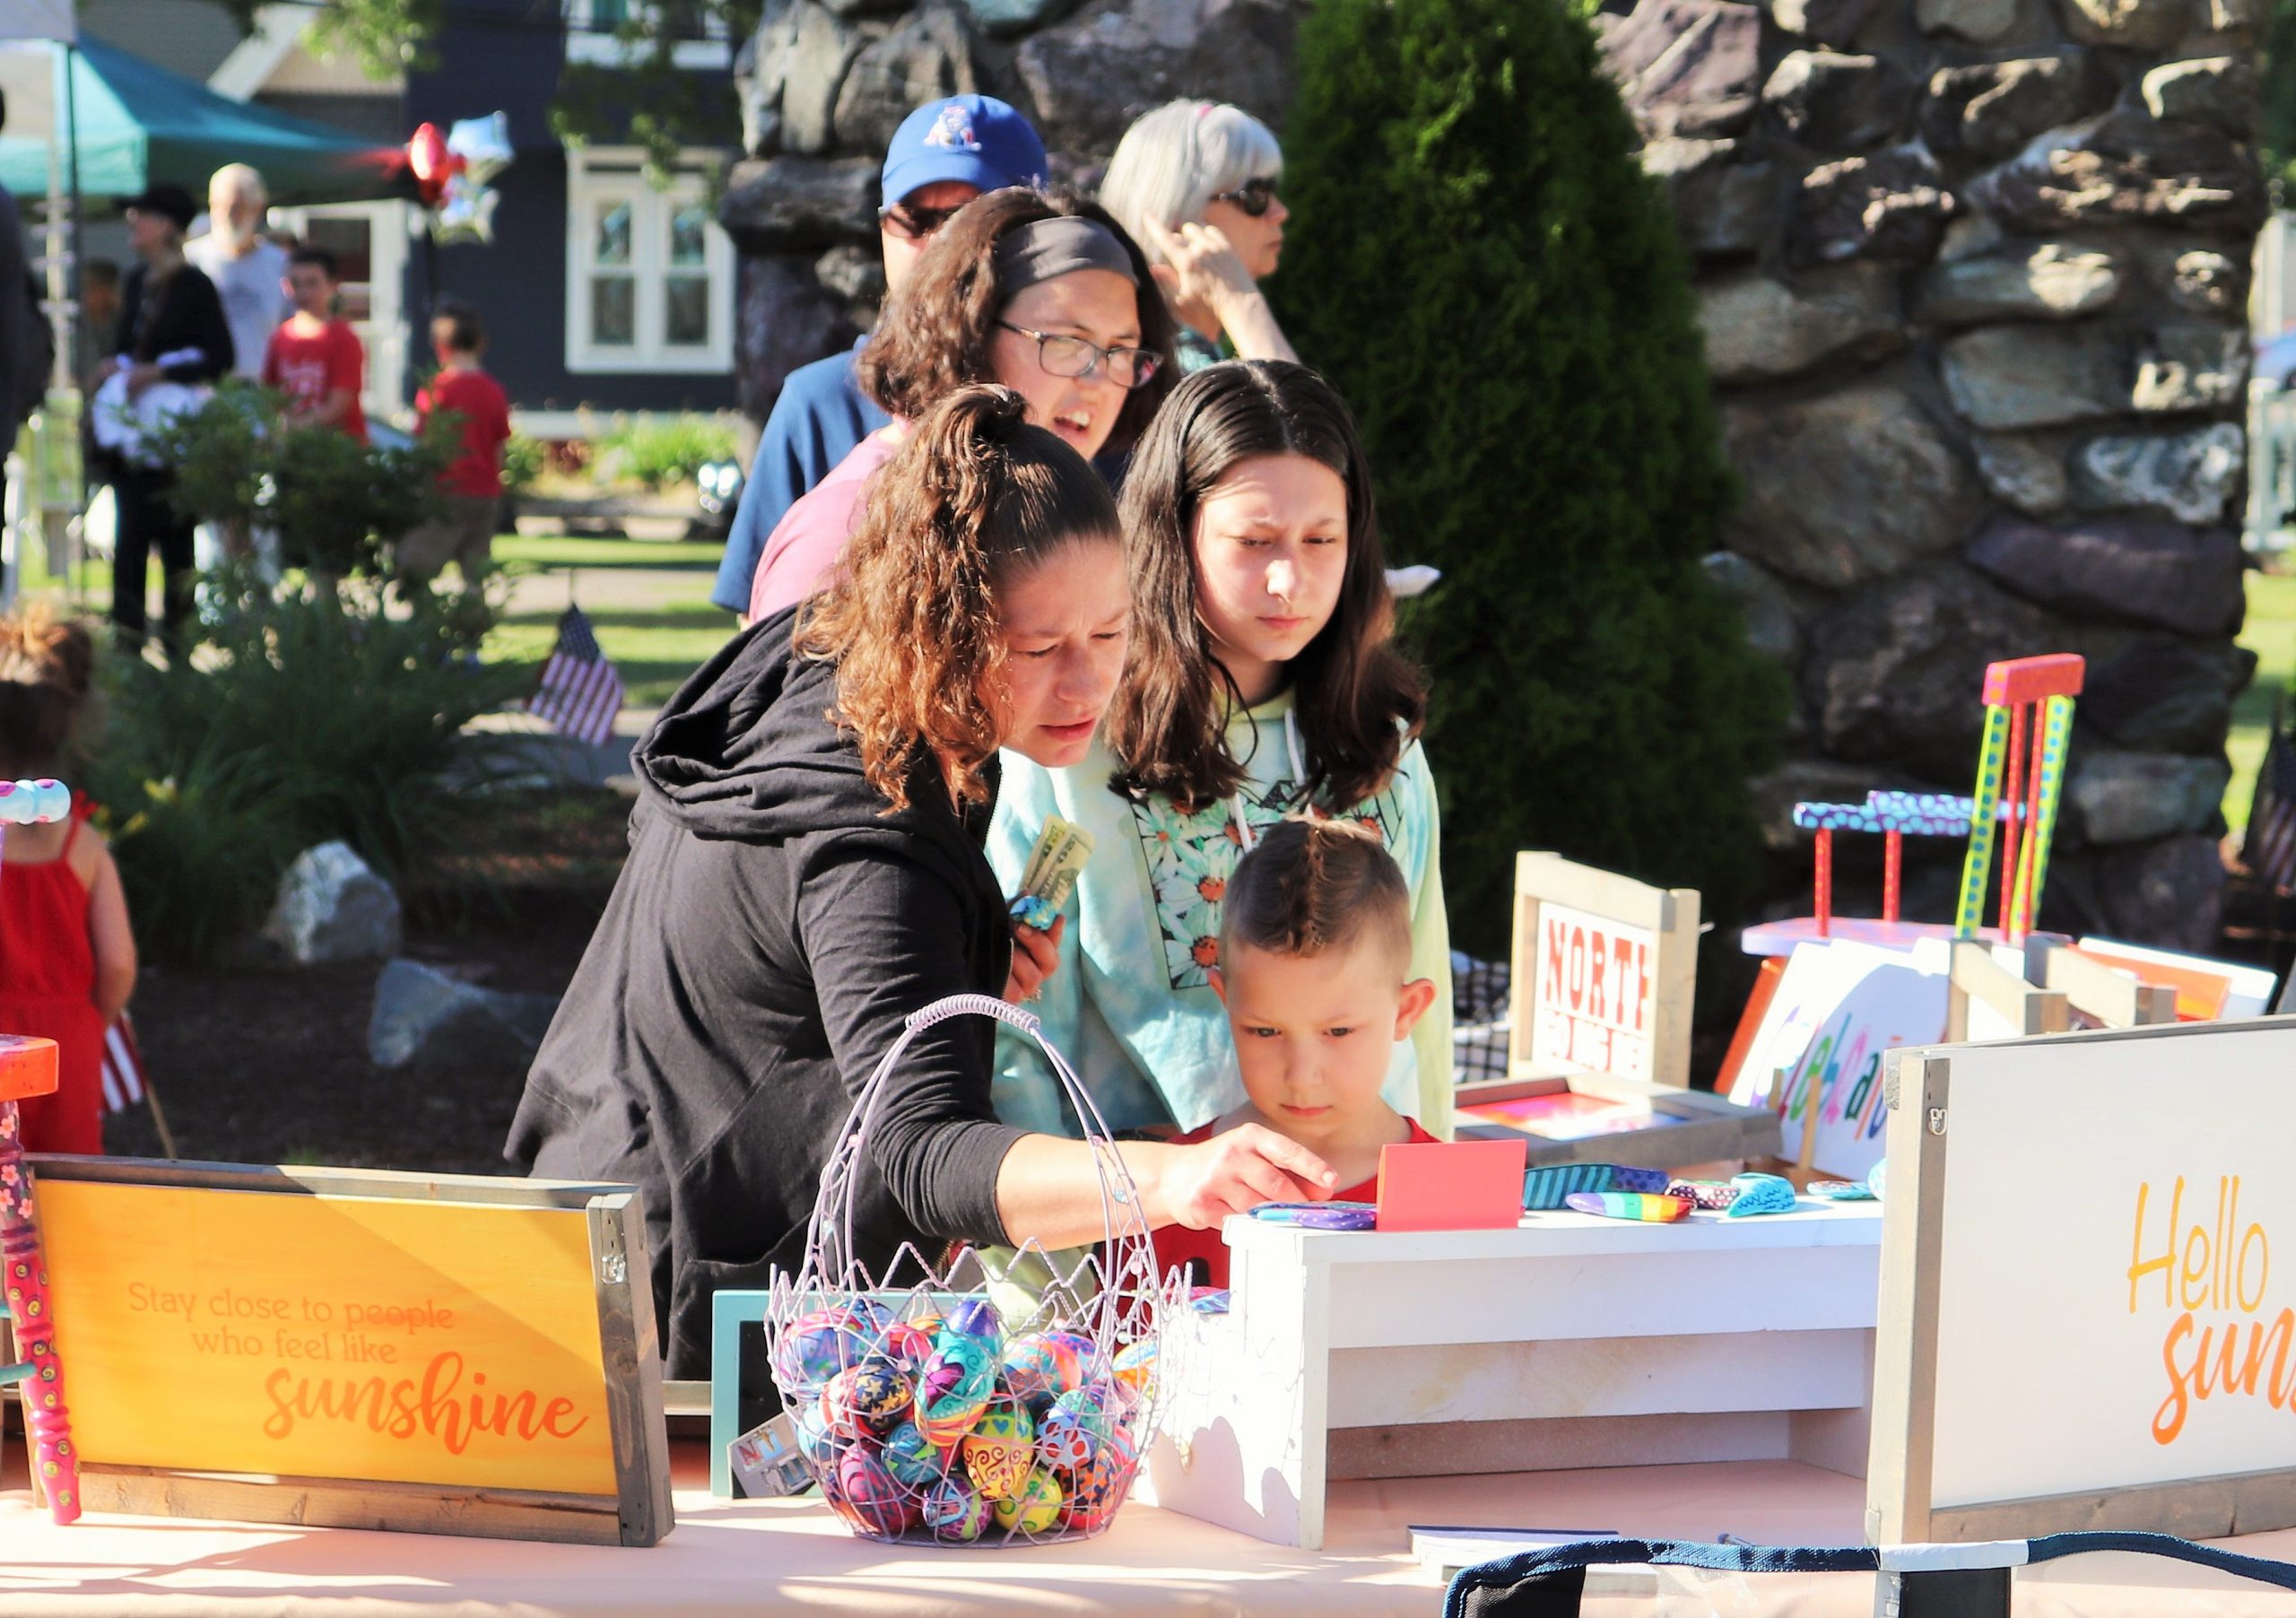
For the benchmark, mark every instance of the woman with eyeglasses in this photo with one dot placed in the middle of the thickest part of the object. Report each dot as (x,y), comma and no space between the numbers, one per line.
(1035,290)
(1197,181)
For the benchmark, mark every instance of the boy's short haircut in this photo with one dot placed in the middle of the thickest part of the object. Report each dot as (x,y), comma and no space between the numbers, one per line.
(1309,886)
(456,325)
(311,253)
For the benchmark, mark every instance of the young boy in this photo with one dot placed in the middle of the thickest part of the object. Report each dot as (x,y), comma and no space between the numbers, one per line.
(315,358)
(464,533)
(1315,941)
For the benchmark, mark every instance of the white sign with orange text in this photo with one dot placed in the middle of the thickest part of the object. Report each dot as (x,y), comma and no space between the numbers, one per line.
(1591,1009)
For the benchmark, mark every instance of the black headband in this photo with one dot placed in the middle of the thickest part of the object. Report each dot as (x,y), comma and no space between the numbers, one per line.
(1059,245)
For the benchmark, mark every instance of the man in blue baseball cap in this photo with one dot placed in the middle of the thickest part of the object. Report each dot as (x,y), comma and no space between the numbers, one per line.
(944,155)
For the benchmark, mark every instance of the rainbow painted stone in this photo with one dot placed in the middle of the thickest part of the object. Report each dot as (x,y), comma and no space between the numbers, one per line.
(913,1458)
(870,1497)
(954,1511)
(868,1399)
(1001,1449)
(1034,1507)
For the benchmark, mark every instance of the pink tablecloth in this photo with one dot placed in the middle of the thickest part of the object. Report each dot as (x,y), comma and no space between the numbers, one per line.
(754,1558)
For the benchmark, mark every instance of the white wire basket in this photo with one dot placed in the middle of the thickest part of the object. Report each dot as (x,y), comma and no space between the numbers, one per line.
(970,1408)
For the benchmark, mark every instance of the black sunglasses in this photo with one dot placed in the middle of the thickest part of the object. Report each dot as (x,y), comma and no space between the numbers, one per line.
(913,223)
(1254,197)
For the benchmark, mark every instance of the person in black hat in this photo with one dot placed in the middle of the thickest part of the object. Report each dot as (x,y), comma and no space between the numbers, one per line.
(171,328)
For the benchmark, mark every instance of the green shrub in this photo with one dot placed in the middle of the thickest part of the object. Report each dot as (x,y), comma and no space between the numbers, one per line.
(1479,264)
(660,450)
(523,459)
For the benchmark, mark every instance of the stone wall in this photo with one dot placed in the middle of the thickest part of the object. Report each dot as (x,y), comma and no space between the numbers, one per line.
(825,83)
(1973,277)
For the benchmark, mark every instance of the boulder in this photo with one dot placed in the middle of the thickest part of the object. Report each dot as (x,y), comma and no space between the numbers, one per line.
(2244,19)
(2163,695)
(2124,167)
(2186,475)
(2135,797)
(854,272)
(798,204)
(1687,67)
(2208,282)
(2129,24)
(1092,75)
(2020,473)
(1835,102)
(2218,91)
(429,1018)
(2050,282)
(1993,108)
(1009,18)
(1722,195)
(1827,21)
(787,318)
(1981,22)
(1850,486)
(2005,377)
(1772,627)
(2141,568)
(2169,893)
(1889,206)
(2192,367)
(759,67)
(927,56)
(1759,329)
(331,906)
(1896,673)
(814,49)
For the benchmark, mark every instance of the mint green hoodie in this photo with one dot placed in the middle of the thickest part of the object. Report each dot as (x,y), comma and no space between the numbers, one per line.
(1131,1005)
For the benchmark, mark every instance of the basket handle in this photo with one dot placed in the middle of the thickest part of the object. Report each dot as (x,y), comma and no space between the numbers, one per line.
(986,1006)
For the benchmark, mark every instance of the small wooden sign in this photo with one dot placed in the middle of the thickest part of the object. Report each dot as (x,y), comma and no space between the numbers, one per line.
(2081,1325)
(355,1348)
(1603,970)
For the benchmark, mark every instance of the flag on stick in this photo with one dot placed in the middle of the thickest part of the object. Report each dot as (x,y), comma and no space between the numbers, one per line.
(123,1066)
(580,693)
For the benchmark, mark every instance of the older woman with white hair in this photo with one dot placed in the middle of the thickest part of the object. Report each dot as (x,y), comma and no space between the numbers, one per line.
(1195,182)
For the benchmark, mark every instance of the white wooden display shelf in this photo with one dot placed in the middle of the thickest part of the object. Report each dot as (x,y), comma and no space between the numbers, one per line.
(1568,1341)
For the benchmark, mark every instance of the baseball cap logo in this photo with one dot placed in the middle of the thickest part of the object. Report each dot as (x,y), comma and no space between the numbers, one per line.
(954,130)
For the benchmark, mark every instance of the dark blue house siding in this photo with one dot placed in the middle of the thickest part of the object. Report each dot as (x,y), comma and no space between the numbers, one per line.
(505,56)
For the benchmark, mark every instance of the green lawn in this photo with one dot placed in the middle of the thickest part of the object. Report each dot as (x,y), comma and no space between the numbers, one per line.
(647,602)
(2269,632)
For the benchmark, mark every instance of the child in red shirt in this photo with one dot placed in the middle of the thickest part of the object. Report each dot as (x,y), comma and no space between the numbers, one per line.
(1315,941)
(471,487)
(315,359)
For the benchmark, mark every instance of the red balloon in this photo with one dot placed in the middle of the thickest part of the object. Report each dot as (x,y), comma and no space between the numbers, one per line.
(427,157)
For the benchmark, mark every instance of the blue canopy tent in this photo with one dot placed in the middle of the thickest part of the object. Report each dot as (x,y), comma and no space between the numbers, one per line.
(130,125)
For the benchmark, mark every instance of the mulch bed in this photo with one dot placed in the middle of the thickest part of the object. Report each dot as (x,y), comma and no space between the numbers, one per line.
(264,1062)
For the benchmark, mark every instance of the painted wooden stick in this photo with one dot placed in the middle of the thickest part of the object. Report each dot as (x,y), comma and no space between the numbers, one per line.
(1892,871)
(48,1424)
(2013,798)
(1824,882)
(2055,741)
(1977,868)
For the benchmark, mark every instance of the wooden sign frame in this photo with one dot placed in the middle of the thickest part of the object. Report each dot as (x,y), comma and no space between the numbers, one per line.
(1669,915)
(639,1513)
(2114,999)
(1900,1507)
(1974,975)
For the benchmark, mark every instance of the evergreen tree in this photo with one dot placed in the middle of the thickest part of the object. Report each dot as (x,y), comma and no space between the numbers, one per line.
(1479,264)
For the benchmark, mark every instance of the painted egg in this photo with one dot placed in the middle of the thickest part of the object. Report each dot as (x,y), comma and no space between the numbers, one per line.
(1033,1508)
(1074,1428)
(1041,1366)
(872,1500)
(819,1446)
(954,1511)
(974,1317)
(1001,1449)
(953,1389)
(1095,1493)
(913,1458)
(1135,1368)
(813,1348)
(870,1398)
(907,1346)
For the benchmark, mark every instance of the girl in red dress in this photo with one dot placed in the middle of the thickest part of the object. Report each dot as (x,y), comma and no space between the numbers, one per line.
(67,959)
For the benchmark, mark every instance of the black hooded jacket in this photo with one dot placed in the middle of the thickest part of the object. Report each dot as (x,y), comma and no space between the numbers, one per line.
(771,931)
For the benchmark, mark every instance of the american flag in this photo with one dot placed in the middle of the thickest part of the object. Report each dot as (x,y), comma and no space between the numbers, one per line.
(123,1066)
(2269,848)
(580,693)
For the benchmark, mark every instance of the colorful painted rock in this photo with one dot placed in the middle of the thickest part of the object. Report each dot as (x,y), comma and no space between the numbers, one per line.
(1647,1208)
(1042,1366)
(1001,1449)
(954,1511)
(813,1348)
(913,1458)
(1095,1493)
(1034,1507)
(1135,1368)
(870,1499)
(1761,1194)
(1074,1428)
(954,1390)
(870,1398)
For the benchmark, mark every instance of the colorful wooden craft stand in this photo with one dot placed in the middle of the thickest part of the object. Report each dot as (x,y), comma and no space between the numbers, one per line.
(28,1067)
(2026,694)
(1896,815)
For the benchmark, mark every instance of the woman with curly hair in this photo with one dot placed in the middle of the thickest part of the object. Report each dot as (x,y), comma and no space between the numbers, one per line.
(806,870)
(1035,290)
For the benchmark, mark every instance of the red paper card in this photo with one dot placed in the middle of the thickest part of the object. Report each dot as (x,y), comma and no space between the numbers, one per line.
(1452,1185)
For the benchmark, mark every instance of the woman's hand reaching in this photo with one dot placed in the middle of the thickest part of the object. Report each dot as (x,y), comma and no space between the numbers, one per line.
(1235,1171)
(1036,956)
